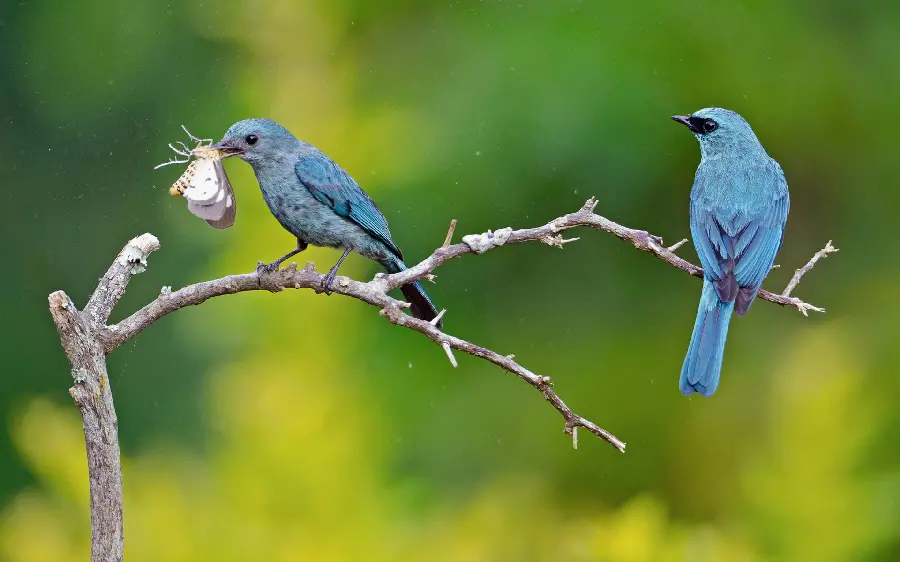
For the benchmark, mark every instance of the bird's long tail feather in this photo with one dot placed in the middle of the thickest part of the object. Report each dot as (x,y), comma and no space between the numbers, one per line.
(703,363)
(421,306)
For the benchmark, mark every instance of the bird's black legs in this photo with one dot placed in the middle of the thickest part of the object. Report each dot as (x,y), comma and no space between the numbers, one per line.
(270,267)
(332,273)
(301,245)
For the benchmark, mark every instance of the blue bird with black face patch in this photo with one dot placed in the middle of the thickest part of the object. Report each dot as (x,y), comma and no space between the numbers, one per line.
(739,208)
(318,202)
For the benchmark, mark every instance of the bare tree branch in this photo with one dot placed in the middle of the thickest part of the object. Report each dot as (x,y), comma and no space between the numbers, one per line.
(374,292)
(93,395)
(87,340)
(795,280)
(131,260)
(548,234)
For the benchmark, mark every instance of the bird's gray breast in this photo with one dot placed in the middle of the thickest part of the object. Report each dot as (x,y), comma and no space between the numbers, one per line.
(302,215)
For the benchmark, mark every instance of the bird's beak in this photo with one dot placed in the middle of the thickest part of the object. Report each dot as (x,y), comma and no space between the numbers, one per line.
(226,149)
(686,121)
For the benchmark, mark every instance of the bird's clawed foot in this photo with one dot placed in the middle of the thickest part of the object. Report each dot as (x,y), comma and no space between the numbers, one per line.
(263,268)
(332,273)
(328,280)
(273,267)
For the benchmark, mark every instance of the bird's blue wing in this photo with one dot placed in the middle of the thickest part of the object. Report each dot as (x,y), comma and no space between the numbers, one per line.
(755,254)
(331,185)
(737,245)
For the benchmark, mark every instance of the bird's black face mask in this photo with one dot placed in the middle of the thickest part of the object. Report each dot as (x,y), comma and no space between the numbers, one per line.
(697,125)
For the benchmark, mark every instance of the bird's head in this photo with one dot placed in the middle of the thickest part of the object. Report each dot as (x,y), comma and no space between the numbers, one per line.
(257,140)
(721,132)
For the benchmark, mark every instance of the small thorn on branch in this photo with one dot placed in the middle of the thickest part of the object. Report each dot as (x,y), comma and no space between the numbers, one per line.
(557,240)
(805,307)
(434,321)
(449,234)
(449,353)
(653,243)
(677,245)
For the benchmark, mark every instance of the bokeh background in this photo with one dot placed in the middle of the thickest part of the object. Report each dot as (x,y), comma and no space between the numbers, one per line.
(301,427)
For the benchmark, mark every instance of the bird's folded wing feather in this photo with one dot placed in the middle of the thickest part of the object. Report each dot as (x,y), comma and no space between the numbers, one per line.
(738,249)
(331,185)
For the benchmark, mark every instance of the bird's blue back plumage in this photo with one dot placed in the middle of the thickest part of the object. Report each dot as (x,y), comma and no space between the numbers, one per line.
(739,208)
(738,214)
(330,184)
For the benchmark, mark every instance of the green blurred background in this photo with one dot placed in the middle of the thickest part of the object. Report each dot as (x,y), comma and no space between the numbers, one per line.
(251,431)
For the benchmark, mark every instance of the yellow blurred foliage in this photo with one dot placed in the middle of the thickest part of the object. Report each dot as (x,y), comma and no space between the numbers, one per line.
(291,477)
(807,479)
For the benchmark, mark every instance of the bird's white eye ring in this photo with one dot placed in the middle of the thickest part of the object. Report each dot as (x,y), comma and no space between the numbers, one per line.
(251,139)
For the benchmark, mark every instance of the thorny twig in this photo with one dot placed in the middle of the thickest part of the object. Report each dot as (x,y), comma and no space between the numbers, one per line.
(795,280)
(375,292)
(640,239)
(449,237)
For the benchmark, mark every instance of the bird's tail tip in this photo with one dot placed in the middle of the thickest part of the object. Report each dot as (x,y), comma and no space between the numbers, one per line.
(421,305)
(687,388)
(703,363)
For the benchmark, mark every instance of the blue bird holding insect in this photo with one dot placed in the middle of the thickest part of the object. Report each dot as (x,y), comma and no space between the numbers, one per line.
(739,208)
(318,202)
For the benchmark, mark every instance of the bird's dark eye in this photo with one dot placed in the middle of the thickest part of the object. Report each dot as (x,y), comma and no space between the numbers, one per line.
(251,139)
(709,126)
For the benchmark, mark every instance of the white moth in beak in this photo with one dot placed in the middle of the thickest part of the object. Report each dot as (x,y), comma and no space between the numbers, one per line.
(204,183)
